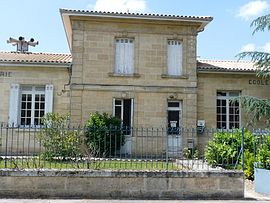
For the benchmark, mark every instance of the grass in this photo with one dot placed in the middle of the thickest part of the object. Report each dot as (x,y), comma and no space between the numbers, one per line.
(38,163)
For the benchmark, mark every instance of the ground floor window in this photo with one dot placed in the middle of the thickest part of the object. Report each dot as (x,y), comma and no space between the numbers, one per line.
(228,110)
(32,105)
(29,103)
(174,115)
(123,109)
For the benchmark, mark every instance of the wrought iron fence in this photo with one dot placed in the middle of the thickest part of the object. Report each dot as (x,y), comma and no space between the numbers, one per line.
(139,149)
(262,148)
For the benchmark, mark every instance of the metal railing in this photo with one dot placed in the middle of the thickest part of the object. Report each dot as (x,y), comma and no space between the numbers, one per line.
(262,149)
(129,149)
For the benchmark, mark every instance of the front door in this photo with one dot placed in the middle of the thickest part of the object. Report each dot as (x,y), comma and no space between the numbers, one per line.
(174,129)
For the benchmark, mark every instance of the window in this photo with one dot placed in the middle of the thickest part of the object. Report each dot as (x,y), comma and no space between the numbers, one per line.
(123,109)
(28,104)
(124,56)
(174,115)
(228,111)
(32,105)
(174,58)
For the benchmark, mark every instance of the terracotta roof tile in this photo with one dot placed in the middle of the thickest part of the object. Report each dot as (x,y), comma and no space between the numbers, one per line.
(128,14)
(225,65)
(35,58)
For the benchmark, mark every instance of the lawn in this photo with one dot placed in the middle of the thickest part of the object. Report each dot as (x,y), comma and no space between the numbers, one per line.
(37,163)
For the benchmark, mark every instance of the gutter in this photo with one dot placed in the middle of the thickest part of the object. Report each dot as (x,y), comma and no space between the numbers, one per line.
(23,64)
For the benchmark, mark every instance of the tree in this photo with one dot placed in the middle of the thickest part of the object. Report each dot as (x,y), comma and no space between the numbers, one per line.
(258,108)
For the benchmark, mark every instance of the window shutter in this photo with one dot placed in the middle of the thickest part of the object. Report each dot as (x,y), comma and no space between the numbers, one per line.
(130,57)
(124,56)
(14,105)
(48,99)
(174,57)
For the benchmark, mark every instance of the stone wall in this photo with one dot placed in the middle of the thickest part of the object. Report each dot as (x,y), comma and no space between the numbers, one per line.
(35,75)
(94,85)
(210,83)
(121,184)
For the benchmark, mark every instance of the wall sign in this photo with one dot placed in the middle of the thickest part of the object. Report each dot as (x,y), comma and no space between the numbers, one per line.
(259,82)
(4,74)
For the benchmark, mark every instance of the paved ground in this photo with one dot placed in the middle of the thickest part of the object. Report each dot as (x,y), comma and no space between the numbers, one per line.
(250,197)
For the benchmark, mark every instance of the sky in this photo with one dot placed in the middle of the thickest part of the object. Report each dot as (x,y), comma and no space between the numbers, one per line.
(228,34)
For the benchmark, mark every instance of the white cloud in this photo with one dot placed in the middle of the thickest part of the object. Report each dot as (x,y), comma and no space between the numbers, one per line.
(119,5)
(266,47)
(248,47)
(252,9)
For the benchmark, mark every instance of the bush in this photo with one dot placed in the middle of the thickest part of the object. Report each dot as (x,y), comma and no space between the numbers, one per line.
(104,135)
(58,140)
(263,152)
(224,150)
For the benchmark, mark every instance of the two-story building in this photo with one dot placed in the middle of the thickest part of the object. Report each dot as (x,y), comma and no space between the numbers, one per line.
(141,68)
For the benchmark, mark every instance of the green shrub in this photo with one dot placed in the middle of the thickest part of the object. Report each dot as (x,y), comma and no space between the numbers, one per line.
(263,152)
(224,150)
(58,140)
(104,135)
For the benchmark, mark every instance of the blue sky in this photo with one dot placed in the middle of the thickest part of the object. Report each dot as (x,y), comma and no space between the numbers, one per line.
(223,38)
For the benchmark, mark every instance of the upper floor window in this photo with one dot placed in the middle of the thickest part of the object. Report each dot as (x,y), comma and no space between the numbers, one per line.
(228,110)
(174,58)
(124,56)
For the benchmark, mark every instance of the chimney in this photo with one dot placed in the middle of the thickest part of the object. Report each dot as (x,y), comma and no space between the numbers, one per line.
(22,44)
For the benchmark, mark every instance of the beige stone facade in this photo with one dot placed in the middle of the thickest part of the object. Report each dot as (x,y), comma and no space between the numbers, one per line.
(94,84)
(209,83)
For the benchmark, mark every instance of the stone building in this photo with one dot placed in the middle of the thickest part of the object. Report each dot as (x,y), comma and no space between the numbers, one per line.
(32,84)
(142,68)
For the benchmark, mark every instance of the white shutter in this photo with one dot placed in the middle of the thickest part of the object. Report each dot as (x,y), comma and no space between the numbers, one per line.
(174,57)
(117,56)
(14,105)
(130,57)
(48,99)
(124,56)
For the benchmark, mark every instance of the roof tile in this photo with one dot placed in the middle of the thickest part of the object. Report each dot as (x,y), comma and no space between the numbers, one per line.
(36,58)
(225,65)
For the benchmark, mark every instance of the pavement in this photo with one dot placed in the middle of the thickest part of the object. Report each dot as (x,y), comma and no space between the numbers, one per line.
(250,197)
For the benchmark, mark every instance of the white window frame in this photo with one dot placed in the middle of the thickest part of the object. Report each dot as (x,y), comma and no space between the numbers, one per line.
(122,109)
(34,91)
(175,57)
(124,56)
(227,98)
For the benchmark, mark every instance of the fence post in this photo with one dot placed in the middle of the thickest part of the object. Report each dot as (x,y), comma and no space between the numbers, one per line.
(167,155)
(243,149)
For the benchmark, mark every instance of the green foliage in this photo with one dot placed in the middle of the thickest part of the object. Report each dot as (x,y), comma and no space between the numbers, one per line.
(104,135)
(58,140)
(225,149)
(249,165)
(258,108)
(263,152)
(191,153)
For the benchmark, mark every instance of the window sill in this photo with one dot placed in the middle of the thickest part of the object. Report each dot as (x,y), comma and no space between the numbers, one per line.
(174,76)
(134,75)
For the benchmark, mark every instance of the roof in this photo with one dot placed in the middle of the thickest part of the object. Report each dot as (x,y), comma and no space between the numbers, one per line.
(67,13)
(206,65)
(140,15)
(35,58)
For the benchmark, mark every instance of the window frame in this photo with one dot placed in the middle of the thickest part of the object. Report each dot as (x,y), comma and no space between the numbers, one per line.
(122,110)
(179,109)
(227,98)
(33,92)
